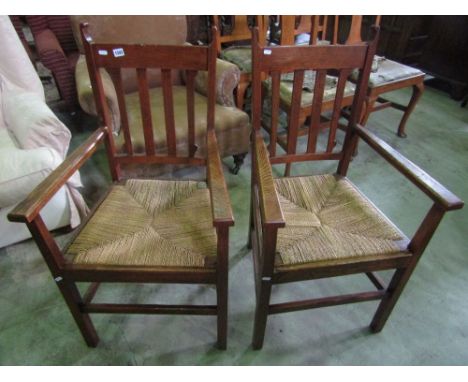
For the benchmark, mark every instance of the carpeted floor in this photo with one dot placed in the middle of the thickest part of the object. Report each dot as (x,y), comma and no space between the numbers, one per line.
(428,326)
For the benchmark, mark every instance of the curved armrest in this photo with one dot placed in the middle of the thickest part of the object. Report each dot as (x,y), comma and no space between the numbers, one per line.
(30,207)
(432,188)
(227,78)
(220,202)
(270,208)
(86,96)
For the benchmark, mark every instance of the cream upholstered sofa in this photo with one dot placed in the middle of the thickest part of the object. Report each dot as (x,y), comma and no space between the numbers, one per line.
(232,125)
(33,142)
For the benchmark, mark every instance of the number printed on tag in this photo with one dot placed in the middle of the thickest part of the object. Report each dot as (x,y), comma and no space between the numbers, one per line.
(118,52)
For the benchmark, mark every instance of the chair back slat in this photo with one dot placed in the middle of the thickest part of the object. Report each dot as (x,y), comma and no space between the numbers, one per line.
(315,111)
(162,145)
(169,111)
(190,88)
(275,103)
(296,99)
(340,88)
(116,76)
(145,107)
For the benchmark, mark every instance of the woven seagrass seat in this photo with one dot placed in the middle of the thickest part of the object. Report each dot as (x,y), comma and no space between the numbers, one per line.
(321,226)
(328,218)
(150,223)
(145,230)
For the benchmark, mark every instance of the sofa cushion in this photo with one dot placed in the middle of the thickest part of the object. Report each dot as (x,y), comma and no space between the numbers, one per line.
(7,140)
(240,56)
(22,170)
(32,123)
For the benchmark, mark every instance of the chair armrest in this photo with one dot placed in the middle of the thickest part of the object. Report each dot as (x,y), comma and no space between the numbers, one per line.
(227,79)
(30,207)
(270,207)
(86,96)
(220,202)
(46,41)
(433,189)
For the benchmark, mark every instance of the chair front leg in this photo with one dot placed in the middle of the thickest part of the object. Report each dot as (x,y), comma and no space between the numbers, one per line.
(73,299)
(261,313)
(222,285)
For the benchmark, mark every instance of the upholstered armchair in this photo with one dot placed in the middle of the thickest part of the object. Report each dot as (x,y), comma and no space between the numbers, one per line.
(33,142)
(232,125)
(57,50)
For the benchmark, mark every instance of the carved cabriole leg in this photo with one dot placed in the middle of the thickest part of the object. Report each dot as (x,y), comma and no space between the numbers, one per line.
(418,90)
(238,162)
(222,285)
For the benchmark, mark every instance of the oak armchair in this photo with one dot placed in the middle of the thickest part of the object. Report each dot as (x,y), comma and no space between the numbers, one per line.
(143,230)
(312,227)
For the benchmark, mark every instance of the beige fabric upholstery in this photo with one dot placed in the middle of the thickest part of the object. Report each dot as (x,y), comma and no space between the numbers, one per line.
(231,124)
(327,218)
(385,71)
(167,224)
(286,88)
(33,142)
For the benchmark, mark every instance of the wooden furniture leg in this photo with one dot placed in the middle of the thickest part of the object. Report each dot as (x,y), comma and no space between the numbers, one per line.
(261,313)
(240,94)
(418,90)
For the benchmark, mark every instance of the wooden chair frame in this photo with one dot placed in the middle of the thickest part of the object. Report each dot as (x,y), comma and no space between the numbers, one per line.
(240,32)
(316,26)
(65,274)
(266,215)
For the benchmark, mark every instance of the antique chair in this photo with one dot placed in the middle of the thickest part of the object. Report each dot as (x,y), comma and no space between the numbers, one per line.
(387,76)
(232,125)
(58,52)
(317,28)
(240,55)
(144,230)
(311,227)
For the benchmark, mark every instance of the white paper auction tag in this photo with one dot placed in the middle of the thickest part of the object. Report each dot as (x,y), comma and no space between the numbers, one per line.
(267,51)
(118,52)
(102,52)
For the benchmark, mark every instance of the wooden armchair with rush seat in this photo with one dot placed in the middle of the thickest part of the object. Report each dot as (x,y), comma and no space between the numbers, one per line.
(311,227)
(143,230)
